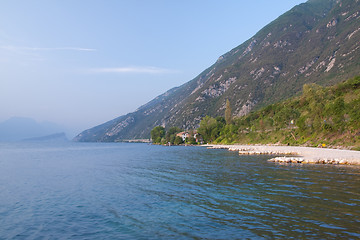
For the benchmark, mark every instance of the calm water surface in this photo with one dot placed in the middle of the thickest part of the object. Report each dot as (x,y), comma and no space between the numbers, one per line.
(139,191)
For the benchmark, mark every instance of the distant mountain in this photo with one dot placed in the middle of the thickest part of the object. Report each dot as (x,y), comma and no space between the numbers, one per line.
(18,128)
(315,42)
(56,137)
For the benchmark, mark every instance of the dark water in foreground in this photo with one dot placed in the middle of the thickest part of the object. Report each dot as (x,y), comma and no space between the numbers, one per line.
(138,191)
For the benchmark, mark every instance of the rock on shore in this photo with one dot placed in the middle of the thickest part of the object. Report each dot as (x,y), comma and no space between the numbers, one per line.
(291,154)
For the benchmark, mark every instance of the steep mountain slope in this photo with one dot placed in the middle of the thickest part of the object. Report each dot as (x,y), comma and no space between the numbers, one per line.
(320,115)
(315,42)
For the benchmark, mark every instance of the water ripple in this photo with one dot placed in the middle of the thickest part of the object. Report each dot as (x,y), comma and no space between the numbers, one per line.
(137,191)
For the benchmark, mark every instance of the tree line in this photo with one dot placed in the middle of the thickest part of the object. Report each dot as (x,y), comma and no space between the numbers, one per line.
(319,116)
(160,136)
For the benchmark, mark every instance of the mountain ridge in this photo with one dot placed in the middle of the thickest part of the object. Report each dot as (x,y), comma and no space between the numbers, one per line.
(55,137)
(314,42)
(19,128)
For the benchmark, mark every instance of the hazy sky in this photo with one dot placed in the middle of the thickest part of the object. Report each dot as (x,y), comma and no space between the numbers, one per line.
(80,63)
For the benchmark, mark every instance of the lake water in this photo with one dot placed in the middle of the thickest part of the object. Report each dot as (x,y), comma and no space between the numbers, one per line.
(139,191)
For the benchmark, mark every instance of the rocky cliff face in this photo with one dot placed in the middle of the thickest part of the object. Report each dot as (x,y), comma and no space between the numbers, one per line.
(315,42)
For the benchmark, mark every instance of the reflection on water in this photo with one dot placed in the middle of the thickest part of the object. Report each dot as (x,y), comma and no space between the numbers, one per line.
(99,191)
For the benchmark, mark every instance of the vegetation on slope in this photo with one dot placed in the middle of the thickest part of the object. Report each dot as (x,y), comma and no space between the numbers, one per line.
(170,137)
(319,117)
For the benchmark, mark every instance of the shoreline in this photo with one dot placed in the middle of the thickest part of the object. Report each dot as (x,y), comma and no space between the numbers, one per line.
(295,154)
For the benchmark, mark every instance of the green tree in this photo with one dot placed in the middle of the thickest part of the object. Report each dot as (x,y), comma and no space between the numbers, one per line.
(178,140)
(191,139)
(228,114)
(210,128)
(338,113)
(301,123)
(309,90)
(171,134)
(207,124)
(157,134)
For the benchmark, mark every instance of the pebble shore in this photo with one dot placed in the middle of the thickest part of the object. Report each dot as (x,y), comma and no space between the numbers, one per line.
(291,154)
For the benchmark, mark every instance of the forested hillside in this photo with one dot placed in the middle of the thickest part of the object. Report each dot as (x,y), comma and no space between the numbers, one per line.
(321,116)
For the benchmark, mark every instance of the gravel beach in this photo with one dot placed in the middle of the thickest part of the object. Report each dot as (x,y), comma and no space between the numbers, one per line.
(292,154)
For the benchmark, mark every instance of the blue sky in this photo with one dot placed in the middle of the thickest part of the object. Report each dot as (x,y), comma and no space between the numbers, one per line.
(79,63)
